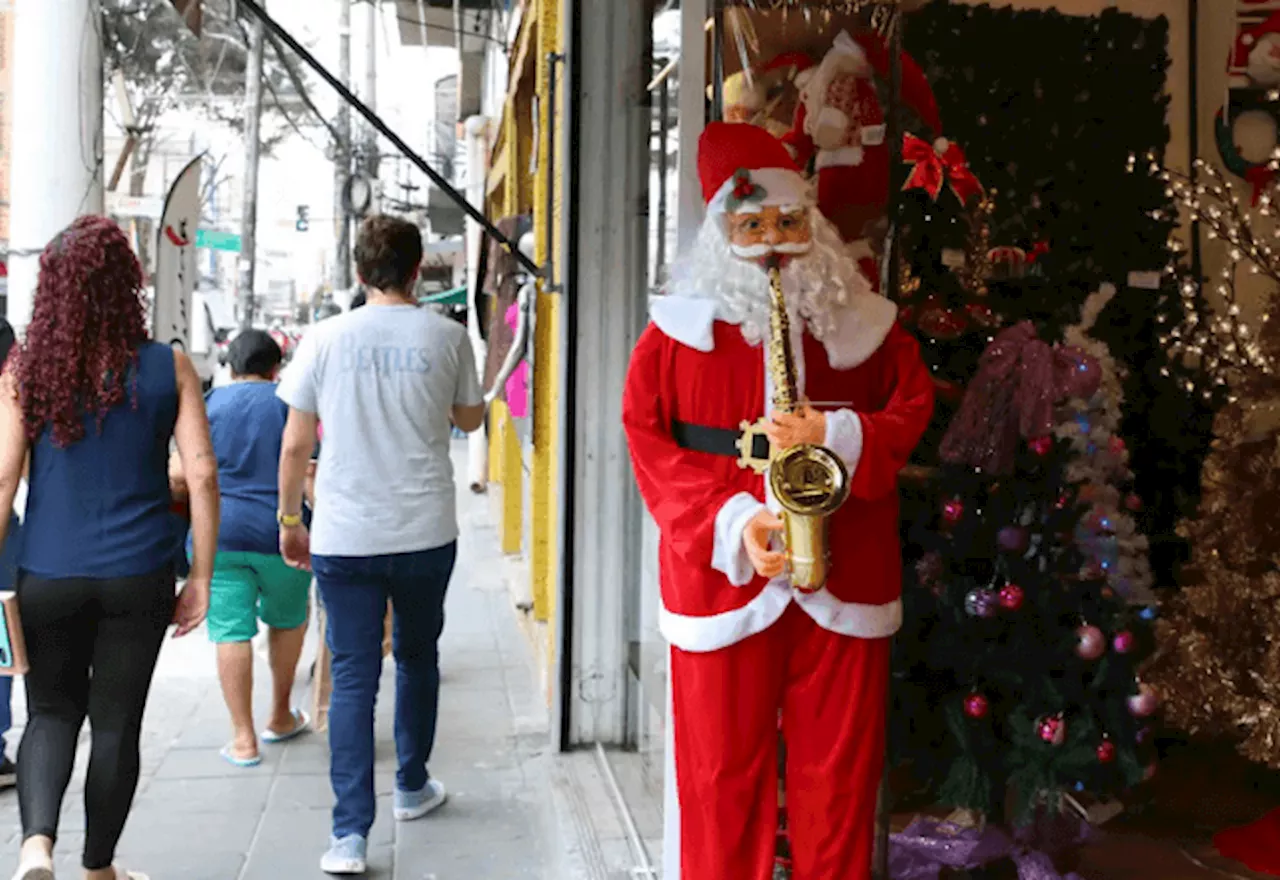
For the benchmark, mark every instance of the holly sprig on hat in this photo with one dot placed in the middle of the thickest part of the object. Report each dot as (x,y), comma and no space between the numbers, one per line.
(744,190)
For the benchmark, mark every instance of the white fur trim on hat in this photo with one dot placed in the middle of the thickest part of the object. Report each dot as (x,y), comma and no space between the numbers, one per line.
(782,186)
(850,54)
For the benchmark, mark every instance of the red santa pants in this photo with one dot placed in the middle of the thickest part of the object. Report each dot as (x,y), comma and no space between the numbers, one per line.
(832,691)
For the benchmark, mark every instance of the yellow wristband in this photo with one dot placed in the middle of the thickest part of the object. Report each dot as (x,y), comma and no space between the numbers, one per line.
(289,520)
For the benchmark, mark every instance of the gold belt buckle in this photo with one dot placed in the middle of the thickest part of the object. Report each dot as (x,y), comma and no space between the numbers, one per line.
(745,444)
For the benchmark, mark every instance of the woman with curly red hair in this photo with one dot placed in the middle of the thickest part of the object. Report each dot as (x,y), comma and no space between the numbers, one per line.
(94,405)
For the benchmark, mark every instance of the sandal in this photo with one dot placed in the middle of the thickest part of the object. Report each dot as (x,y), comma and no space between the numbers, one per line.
(231,758)
(301,724)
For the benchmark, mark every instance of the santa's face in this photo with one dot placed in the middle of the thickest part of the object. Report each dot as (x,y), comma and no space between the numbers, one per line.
(766,233)
(739,113)
(1264,61)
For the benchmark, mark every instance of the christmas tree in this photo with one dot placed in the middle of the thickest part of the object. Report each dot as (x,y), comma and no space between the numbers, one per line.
(1017,675)
(1219,658)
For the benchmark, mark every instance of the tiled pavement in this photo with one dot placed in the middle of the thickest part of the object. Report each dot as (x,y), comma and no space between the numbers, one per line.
(197,818)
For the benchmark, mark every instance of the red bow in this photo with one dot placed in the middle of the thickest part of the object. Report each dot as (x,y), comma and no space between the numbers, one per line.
(932,169)
(1260,176)
(1037,251)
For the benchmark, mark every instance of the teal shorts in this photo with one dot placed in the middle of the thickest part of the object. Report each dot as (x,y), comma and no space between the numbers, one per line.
(248,587)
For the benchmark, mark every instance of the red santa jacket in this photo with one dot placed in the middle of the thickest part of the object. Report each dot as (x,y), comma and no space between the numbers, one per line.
(690,367)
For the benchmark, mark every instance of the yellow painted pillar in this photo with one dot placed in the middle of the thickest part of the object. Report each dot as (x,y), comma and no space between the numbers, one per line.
(547,327)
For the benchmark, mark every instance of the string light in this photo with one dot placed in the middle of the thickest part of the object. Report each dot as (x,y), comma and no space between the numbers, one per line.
(1217,343)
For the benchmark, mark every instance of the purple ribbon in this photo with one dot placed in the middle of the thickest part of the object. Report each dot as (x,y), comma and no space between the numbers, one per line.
(1012,398)
(929,846)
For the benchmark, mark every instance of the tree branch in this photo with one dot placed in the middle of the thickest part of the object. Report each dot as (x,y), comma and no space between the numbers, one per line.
(304,94)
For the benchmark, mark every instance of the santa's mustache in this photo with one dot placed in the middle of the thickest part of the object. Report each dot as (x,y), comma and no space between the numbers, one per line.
(757,251)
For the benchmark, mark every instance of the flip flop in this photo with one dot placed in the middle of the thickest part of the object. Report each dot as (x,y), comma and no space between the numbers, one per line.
(302,723)
(230,758)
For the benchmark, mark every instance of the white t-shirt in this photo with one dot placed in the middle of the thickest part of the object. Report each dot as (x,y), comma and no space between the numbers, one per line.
(383,380)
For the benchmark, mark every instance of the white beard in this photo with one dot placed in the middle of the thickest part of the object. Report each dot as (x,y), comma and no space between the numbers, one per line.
(815,284)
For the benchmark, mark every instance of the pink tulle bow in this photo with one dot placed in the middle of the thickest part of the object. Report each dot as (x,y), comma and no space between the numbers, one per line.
(1012,397)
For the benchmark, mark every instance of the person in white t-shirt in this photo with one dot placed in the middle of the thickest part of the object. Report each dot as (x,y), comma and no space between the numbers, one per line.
(388,381)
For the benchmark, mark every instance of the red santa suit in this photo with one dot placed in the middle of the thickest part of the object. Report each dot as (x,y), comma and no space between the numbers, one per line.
(840,125)
(744,648)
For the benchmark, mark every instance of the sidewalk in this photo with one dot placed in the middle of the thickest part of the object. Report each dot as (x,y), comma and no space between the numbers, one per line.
(197,818)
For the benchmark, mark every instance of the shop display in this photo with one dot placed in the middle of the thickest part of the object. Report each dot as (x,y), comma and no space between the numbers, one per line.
(840,127)
(745,646)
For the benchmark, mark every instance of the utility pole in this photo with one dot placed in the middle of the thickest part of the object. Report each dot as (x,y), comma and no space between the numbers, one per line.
(253,149)
(372,160)
(342,156)
(57,152)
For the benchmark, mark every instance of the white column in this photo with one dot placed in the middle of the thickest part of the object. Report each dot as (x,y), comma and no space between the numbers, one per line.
(56,170)
(477,130)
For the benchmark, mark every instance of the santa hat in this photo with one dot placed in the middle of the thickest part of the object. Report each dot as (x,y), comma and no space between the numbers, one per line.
(866,54)
(1249,39)
(743,166)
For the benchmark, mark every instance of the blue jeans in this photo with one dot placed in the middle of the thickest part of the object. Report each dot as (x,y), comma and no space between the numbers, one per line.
(355,590)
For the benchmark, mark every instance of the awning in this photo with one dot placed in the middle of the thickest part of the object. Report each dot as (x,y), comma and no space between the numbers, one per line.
(455,297)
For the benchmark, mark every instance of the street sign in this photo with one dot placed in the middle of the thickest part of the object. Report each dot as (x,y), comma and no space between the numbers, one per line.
(121,205)
(218,241)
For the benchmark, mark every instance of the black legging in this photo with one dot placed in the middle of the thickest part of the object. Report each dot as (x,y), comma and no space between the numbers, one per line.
(93,646)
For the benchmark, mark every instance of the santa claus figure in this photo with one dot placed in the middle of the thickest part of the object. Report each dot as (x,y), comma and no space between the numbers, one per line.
(840,125)
(746,644)
(1257,54)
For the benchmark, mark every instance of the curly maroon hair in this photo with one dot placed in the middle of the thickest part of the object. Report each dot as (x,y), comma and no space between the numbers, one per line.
(85,331)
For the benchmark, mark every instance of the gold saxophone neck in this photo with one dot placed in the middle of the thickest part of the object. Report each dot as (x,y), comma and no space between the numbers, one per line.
(781,357)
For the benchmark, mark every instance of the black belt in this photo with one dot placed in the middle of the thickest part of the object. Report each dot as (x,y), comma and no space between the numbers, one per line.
(717,441)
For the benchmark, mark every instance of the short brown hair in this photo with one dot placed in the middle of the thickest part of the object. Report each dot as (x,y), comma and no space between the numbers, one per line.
(388,253)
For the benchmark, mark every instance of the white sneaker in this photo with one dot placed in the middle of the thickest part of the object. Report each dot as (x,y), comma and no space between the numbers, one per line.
(34,872)
(410,805)
(345,856)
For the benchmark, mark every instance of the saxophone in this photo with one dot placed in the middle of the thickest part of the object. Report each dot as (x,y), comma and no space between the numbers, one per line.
(810,482)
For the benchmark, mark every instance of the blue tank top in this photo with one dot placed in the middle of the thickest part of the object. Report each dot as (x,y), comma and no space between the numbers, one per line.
(100,508)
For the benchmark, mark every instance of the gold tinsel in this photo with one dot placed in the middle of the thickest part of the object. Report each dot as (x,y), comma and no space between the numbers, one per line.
(1218,662)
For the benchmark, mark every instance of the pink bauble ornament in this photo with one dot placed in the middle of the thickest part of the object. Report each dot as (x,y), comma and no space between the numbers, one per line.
(1052,729)
(1106,752)
(1145,702)
(952,511)
(1150,773)
(1122,642)
(1116,445)
(1090,642)
(1011,597)
(1133,502)
(976,706)
(1041,446)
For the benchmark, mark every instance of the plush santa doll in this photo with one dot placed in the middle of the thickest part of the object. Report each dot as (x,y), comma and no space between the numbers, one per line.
(1257,53)
(745,644)
(840,125)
